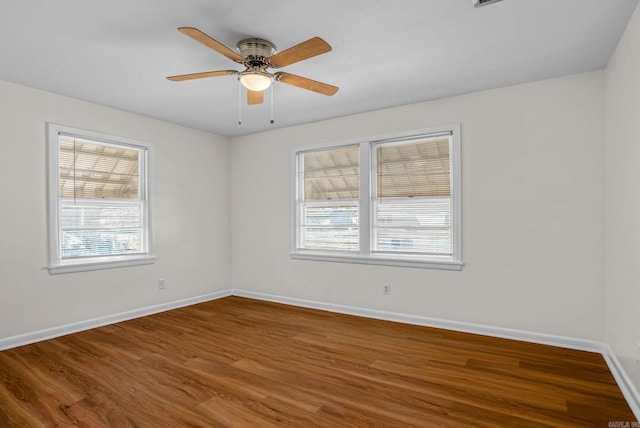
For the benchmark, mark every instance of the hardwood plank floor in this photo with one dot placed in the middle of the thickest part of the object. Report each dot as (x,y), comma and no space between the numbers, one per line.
(245,363)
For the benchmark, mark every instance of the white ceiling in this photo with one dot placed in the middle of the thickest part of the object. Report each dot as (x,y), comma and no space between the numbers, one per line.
(118,52)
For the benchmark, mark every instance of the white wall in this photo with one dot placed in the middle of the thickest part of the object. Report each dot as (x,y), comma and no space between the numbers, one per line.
(533,204)
(622,121)
(533,212)
(191,221)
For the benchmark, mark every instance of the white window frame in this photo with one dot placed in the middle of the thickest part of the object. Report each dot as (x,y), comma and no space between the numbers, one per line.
(365,255)
(56,264)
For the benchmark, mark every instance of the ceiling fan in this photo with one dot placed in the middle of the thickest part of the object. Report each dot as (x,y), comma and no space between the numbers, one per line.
(258,55)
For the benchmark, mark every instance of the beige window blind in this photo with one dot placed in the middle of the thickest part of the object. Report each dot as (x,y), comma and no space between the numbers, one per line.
(332,174)
(91,170)
(419,168)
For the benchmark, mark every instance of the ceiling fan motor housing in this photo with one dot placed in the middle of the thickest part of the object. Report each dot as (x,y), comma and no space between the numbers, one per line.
(256,48)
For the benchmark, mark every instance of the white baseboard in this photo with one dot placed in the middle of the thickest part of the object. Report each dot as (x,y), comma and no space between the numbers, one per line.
(50,333)
(626,386)
(505,333)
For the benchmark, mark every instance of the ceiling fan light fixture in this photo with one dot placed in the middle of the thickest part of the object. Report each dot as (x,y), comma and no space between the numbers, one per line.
(255,80)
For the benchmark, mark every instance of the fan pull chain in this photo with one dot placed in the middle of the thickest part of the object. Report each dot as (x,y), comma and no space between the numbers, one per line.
(272,104)
(239,103)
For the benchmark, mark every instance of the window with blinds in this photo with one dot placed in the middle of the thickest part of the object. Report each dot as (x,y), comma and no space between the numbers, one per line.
(411,196)
(392,200)
(329,190)
(98,199)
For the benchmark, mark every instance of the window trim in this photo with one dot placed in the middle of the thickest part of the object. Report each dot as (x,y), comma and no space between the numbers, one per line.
(364,256)
(56,264)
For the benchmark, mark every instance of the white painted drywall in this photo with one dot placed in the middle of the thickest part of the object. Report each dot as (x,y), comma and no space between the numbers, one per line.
(533,212)
(191,216)
(622,124)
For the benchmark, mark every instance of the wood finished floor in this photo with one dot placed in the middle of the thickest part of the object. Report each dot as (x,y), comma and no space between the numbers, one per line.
(244,363)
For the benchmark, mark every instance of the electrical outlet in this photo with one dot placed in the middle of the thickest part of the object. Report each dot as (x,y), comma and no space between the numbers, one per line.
(386,289)
(162,284)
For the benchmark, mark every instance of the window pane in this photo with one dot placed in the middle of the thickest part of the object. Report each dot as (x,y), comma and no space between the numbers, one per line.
(98,230)
(100,216)
(327,227)
(411,182)
(92,243)
(413,226)
(329,188)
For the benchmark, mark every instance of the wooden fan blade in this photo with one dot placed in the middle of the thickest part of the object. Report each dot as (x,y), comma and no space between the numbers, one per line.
(304,83)
(210,42)
(182,77)
(305,50)
(255,97)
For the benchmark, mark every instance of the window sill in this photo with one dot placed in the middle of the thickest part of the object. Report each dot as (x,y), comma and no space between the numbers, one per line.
(380,260)
(75,266)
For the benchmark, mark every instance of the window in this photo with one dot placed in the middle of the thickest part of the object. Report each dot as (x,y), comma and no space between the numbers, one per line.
(391,200)
(330,188)
(99,210)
